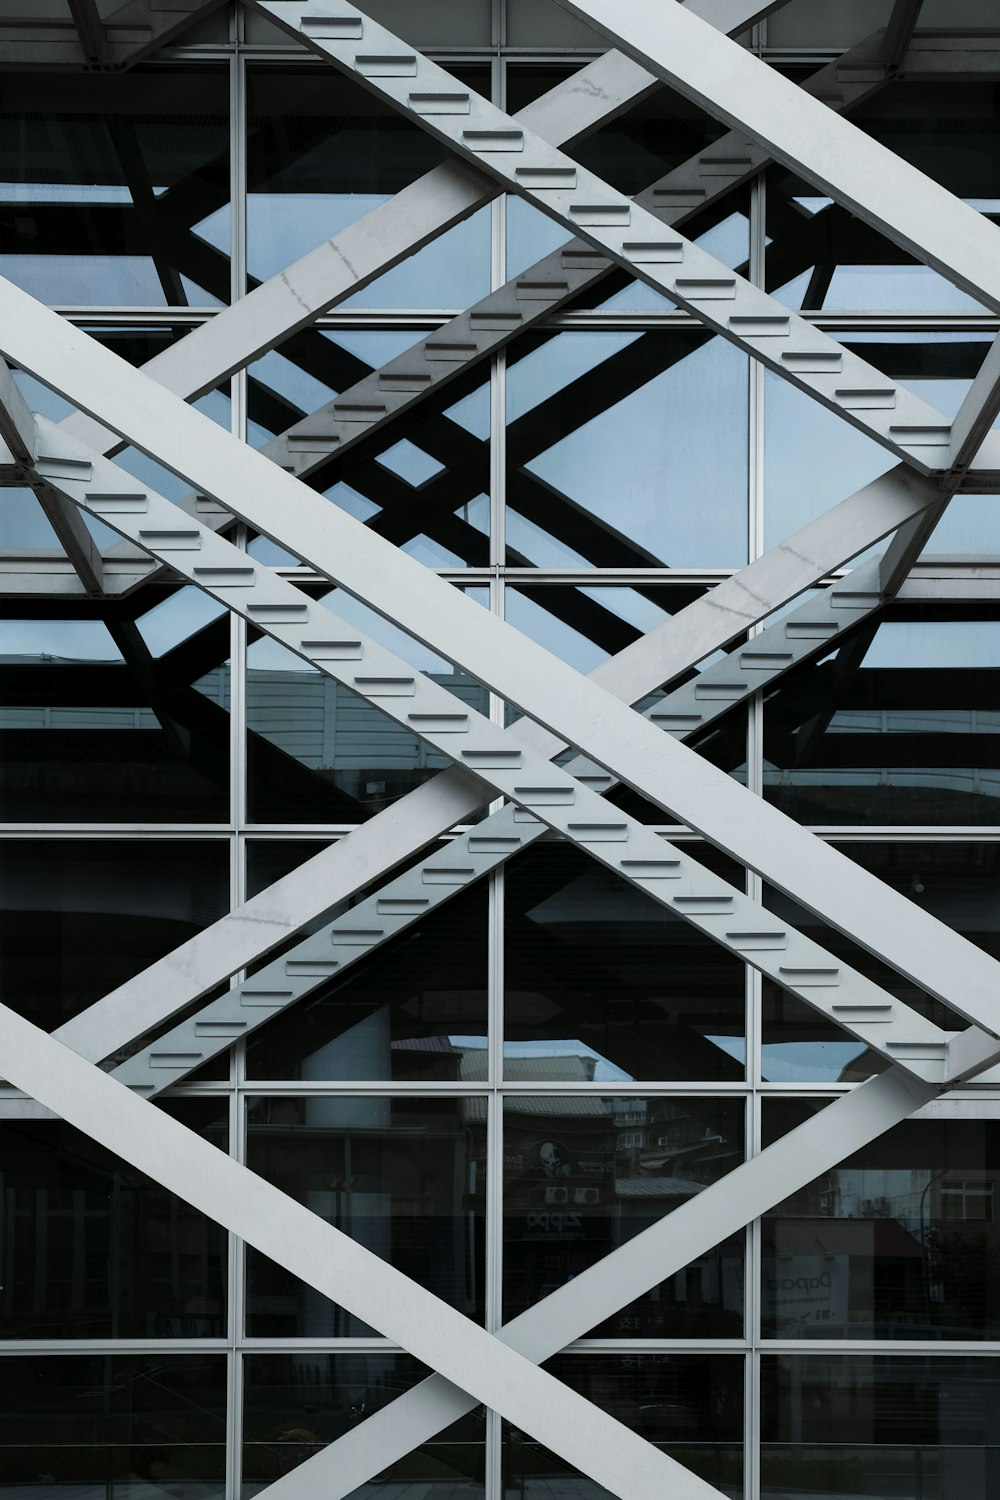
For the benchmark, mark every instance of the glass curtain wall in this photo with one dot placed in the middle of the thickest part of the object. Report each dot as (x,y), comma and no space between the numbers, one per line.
(546,1064)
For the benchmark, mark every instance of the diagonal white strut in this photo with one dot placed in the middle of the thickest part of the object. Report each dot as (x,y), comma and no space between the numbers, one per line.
(399,832)
(503,759)
(873,182)
(627,1272)
(815,627)
(338,1266)
(546,672)
(612,224)
(547,690)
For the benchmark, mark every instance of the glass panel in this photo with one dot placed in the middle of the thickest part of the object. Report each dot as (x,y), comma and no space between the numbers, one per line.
(432,23)
(115,188)
(609,437)
(320,753)
(79,918)
(603,984)
(322,153)
(898,725)
(415,1009)
(689,1405)
(898,1242)
(295,1404)
(956,883)
(93,1249)
(120,721)
(404,1177)
(543,23)
(422,482)
(874,1426)
(814,23)
(584,1175)
(121,1426)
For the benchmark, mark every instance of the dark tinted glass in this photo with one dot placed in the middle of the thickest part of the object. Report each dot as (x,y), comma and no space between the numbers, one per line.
(609,438)
(295,1404)
(93,1249)
(875,1426)
(404,1177)
(80,917)
(956,883)
(121,1425)
(320,753)
(115,189)
(583,1175)
(690,1406)
(897,1242)
(321,154)
(603,983)
(415,1009)
(900,724)
(421,481)
(117,719)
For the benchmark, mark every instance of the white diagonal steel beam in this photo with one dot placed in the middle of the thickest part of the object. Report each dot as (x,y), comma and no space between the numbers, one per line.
(692,1229)
(338,1266)
(381,397)
(814,627)
(878,186)
(502,759)
(399,832)
(546,689)
(348,261)
(850,875)
(608,220)
(536,293)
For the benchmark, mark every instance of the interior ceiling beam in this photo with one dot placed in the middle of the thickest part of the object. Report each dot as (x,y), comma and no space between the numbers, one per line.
(899,32)
(90,30)
(90,42)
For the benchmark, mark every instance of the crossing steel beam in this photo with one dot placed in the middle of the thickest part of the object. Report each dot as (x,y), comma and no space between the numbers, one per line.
(541,685)
(613,225)
(339,1266)
(471,1365)
(379,240)
(399,832)
(527,299)
(503,759)
(878,186)
(673,1242)
(814,627)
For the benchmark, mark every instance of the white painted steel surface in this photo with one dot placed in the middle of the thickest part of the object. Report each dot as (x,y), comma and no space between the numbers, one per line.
(543,793)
